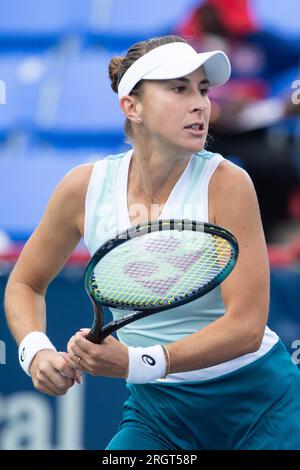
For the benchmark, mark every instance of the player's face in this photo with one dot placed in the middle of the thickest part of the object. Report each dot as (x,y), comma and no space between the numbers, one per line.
(177,112)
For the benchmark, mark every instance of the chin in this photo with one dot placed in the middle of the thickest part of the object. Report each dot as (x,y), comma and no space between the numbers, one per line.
(189,146)
(195,147)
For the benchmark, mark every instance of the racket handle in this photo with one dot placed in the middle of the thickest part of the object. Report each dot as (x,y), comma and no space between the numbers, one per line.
(109,329)
(93,336)
(117,324)
(95,333)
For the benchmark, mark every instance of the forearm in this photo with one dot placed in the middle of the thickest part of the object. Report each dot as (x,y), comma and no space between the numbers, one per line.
(25,310)
(220,341)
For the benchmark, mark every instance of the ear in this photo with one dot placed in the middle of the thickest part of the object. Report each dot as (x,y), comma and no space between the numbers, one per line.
(132,108)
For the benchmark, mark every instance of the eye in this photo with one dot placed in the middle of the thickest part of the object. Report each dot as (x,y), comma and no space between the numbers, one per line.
(204,91)
(179,88)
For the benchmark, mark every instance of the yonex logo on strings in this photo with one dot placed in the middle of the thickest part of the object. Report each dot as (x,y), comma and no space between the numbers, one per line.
(148,360)
(2,92)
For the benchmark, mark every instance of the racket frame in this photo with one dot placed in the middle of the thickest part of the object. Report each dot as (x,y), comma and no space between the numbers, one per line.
(98,332)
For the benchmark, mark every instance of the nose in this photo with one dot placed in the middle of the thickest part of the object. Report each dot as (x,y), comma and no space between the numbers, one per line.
(200,104)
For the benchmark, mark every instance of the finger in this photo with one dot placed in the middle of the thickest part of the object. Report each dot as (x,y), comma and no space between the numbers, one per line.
(79,360)
(81,363)
(82,366)
(69,346)
(70,341)
(47,390)
(68,360)
(66,369)
(78,377)
(75,362)
(60,384)
(78,363)
(53,383)
(84,331)
(82,343)
(64,366)
(76,341)
(72,356)
(65,355)
(75,352)
(55,380)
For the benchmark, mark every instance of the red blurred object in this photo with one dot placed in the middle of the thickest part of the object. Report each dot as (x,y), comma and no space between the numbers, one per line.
(235,15)
(191,26)
(279,255)
(294,204)
(296,248)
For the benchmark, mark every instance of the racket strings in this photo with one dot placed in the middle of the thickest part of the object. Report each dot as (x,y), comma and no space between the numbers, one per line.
(159,270)
(156,286)
(194,278)
(124,292)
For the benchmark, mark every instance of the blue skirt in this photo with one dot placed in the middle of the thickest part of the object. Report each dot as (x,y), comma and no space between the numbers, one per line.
(255,407)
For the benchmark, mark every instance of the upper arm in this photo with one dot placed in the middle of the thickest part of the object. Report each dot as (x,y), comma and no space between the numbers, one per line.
(58,233)
(235,207)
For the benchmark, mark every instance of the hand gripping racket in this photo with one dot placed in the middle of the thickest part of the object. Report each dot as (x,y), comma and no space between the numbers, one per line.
(156,266)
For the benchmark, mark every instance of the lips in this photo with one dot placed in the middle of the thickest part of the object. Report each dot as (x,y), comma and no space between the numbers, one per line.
(196,126)
(196,129)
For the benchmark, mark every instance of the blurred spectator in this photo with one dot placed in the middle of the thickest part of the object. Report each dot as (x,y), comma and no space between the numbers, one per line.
(245,110)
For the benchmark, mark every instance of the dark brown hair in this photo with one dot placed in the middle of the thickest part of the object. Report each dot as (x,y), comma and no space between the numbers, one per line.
(119,65)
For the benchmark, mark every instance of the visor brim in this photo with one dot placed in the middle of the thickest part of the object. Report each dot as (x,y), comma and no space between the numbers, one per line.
(216,66)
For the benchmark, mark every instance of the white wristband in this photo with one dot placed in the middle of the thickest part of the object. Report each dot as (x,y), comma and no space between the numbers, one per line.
(146,364)
(30,345)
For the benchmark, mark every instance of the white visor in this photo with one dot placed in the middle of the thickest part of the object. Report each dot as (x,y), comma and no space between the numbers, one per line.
(175,60)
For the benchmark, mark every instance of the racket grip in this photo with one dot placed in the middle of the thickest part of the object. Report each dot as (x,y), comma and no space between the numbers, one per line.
(95,333)
(110,328)
(117,324)
(93,336)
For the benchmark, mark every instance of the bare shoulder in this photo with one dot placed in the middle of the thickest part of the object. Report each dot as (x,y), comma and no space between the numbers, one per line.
(230,188)
(72,189)
(230,178)
(77,179)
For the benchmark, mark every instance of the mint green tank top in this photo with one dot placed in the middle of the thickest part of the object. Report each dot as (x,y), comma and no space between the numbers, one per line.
(106,212)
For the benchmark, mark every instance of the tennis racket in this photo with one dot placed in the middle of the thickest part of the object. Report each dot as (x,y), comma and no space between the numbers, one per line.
(156,266)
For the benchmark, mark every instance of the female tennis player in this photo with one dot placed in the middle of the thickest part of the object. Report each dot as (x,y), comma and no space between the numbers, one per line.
(212,375)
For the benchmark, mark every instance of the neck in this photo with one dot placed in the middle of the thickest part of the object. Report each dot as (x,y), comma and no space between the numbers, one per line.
(157,172)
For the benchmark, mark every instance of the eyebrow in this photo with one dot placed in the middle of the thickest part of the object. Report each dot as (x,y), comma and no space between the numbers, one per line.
(205,81)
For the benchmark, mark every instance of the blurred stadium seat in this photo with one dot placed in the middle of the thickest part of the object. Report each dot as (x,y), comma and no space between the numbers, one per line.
(118,24)
(27,182)
(87,109)
(23,76)
(31,23)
